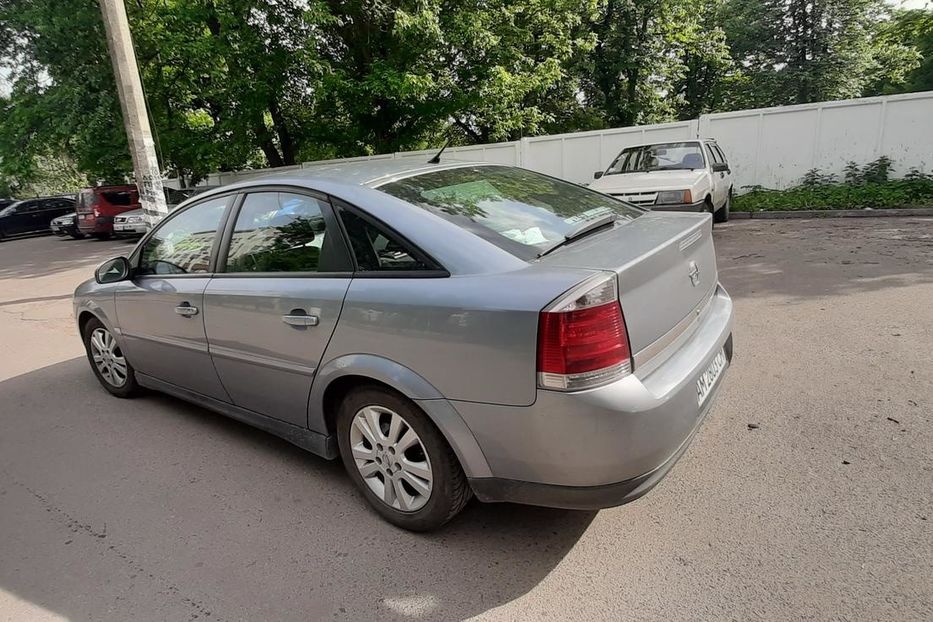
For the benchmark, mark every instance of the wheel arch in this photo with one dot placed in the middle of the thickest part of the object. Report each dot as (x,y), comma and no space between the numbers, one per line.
(334,380)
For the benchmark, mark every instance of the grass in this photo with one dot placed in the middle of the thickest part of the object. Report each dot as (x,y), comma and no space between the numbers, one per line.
(866,187)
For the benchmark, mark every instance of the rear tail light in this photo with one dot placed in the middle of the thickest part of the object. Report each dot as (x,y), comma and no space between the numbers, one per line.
(582,339)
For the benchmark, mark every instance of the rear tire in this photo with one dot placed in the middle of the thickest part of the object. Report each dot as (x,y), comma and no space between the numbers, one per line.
(112,369)
(399,460)
(77,236)
(722,214)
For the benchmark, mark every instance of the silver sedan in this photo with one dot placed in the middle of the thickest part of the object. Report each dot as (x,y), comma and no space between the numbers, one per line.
(448,330)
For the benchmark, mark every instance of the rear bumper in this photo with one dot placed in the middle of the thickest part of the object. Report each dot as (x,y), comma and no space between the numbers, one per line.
(605,446)
(129,229)
(699,206)
(88,223)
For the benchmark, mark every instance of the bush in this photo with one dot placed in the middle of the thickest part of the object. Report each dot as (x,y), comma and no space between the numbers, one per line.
(868,186)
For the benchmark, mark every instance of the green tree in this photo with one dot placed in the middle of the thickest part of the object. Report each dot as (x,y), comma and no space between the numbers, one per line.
(911,30)
(801,51)
(653,60)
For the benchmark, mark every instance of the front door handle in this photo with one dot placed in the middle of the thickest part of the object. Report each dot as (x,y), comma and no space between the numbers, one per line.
(186,310)
(301,320)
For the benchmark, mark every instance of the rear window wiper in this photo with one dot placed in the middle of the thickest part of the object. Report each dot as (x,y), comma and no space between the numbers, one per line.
(582,229)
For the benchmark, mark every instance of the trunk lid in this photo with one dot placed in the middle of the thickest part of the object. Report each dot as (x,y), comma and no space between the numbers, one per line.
(666,266)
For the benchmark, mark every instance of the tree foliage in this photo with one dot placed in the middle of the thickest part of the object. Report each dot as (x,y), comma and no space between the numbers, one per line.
(243,83)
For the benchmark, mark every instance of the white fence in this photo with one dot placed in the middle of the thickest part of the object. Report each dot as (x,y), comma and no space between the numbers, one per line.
(769,147)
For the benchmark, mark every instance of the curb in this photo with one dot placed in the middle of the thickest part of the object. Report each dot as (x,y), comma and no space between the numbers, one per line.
(834,213)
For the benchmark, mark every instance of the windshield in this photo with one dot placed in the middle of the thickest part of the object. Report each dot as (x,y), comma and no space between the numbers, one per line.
(520,211)
(660,157)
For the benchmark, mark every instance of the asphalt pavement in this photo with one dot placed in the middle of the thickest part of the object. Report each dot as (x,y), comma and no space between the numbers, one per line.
(807,494)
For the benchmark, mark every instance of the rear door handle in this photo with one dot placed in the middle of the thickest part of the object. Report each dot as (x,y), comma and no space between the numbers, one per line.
(186,310)
(301,320)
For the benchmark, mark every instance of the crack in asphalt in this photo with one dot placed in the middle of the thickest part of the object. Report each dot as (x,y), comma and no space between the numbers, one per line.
(75,526)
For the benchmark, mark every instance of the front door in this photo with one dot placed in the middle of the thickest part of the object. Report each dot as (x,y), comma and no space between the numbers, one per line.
(271,312)
(21,218)
(161,311)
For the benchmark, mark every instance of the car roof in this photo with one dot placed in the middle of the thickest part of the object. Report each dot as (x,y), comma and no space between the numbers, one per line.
(369,173)
(110,187)
(667,142)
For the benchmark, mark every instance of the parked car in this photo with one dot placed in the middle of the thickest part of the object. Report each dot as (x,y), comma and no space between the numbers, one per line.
(33,215)
(66,225)
(448,330)
(690,175)
(133,223)
(97,207)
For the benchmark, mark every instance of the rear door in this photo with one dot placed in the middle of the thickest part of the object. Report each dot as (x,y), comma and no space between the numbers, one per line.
(272,310)
(52,208)
(161,311)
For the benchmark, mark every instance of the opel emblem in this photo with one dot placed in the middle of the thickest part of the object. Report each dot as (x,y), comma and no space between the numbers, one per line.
(693,271)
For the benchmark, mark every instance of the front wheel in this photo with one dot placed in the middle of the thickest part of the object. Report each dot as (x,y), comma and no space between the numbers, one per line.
(399,460)
(102,236)
(106,357)
(722,214)
(77,235)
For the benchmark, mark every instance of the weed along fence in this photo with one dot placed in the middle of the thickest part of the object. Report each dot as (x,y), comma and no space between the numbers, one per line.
(768,147)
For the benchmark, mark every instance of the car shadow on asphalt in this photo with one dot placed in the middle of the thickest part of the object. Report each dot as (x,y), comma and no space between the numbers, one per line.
(152,507)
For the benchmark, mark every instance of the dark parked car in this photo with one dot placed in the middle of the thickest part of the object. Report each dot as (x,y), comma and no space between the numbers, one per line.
(66,225)
(33,215)
(98,206)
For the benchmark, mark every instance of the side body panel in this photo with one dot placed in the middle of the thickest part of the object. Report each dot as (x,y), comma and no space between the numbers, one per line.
(265,364)
(161,343)
(470,337)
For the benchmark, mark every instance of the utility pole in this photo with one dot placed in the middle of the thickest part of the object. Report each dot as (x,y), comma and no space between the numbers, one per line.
(133,105)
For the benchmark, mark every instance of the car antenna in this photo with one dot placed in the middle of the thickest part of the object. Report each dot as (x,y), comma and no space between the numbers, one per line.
(437,159)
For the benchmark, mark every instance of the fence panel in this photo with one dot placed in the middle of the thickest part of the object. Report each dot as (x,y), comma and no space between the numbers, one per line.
(775,147)
(770,147)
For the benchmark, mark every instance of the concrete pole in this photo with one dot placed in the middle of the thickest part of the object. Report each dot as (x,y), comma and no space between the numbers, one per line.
(133,104)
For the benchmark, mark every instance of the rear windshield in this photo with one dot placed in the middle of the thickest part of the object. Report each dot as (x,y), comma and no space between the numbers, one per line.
(515,209)
(119,197)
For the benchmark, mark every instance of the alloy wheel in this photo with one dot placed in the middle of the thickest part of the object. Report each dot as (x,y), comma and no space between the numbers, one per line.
(391,458)
(108,358)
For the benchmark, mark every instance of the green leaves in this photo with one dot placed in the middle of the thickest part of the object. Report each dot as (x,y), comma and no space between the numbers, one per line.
(240,83)
(866,186)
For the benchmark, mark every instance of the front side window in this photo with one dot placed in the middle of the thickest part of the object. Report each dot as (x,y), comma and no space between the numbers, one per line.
(660,157)
(283,232)
(714,154)
(518,210)
(182,245)
(719,152)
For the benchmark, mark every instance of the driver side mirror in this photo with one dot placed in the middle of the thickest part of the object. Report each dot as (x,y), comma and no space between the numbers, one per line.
(113,271)
(597,174)
(720,167)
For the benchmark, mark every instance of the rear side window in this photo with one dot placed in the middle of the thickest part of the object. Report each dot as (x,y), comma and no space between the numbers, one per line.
(284,232)
(516,209)
(119,197)
(375,249)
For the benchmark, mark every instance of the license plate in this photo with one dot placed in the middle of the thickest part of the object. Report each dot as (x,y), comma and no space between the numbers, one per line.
(707,379)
